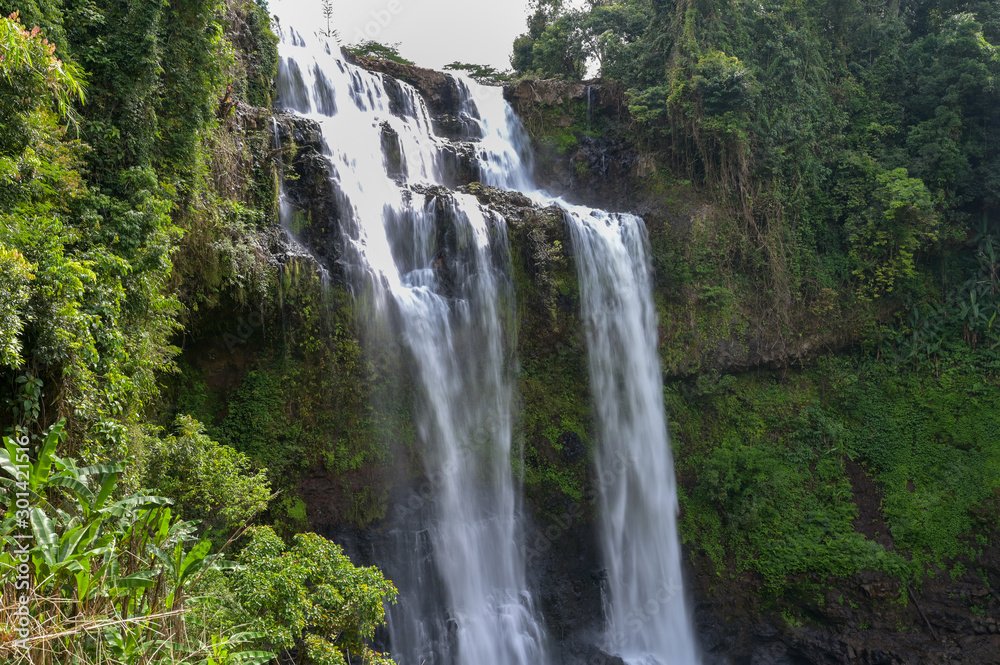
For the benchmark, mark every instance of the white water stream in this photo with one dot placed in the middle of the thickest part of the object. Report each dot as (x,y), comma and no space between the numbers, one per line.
(437,265)
(649,620)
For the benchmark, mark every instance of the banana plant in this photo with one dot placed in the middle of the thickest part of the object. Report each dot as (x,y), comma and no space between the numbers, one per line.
(180,566)
(78,540)
(220,652)
(127,560)
(130,644)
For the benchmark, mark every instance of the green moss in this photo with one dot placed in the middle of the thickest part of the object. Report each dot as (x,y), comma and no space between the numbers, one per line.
(554,403)
(556,130)
(290,513)
(300,394)
(259,47)
(932,443)
(298,221)
(192,395)
(768,490)
(561,140)
(254,423)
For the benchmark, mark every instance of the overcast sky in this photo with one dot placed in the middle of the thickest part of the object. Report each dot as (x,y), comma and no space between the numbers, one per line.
(432,33)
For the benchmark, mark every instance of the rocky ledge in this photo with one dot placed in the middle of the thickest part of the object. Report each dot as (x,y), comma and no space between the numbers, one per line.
(439,90)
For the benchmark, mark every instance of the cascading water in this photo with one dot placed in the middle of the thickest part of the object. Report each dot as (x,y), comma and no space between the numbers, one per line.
(435,263)
(463,550)
(649,621)
(590,107)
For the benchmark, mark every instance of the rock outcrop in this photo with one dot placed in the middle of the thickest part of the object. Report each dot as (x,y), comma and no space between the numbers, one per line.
(578,152)
(310,209)
(439,90)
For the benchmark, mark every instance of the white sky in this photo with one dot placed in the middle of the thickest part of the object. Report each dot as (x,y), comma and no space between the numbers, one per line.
(432,33)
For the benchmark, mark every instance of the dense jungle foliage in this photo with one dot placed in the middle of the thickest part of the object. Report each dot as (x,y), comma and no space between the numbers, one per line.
(851,139)
(135,191)
(850,152)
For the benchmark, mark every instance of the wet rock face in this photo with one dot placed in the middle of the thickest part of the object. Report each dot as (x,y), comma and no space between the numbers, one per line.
(311,209)
(867,619)
(586,150)
(450,261)
(459,164)
(575,156)
(456,127)
(393,152)
(563,561)
(439,90)
(600,166)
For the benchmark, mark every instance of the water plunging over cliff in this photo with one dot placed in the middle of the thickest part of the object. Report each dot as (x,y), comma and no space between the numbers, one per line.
(435,264)
(649,622)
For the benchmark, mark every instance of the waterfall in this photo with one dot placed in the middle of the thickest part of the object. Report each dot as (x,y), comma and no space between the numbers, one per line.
(436,267)
(590,107)
(648,617)
(649,622)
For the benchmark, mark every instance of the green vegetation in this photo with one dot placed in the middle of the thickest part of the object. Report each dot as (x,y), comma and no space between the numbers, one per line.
(214,483)
(373,49)
(844,155)
(301,396)
(312,589)
(557,130)
(137,199)
(818,176)
(767,459)
(930,438)
(112,577)
(484,74)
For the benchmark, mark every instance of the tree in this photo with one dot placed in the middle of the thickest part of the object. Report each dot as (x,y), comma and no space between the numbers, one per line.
(328,15)
(484,74)
(32,79)
(311,596)
(373,49)
(213,482)
(900,221)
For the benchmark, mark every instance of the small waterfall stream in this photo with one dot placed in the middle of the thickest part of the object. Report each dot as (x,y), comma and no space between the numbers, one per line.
(464,596)
(649,620)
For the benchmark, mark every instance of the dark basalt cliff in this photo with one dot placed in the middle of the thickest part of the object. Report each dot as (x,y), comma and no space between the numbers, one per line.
(596,168)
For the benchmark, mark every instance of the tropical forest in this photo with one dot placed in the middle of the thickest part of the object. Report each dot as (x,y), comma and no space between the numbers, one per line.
(673,342)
